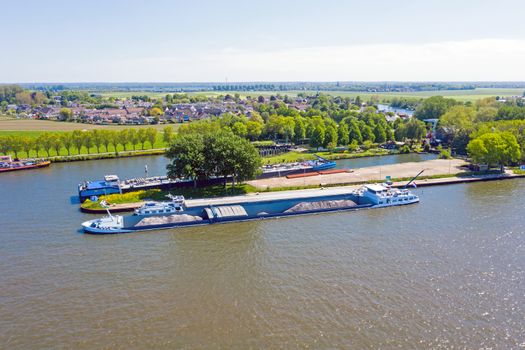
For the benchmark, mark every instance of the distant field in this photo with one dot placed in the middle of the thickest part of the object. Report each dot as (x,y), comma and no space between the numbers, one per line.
(460,95)
(46,125)
(128,94)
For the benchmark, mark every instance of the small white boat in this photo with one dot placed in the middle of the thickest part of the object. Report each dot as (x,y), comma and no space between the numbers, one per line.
(176,205)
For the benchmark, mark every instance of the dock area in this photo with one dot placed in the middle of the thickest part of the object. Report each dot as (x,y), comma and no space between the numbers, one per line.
(338,190)
(368,174)
(337,183)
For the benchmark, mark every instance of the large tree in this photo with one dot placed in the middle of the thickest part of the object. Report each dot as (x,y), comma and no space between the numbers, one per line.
(229,155)
(253,129)
(167,135)
(16,144)
(330,139)
(65,114)
(28,144)
(97,138)
(78,139)
(495,148)
(317,136)
(67,141)
(151,134)
(343,134)
(354,133)
(434,107)
(187,158)
(46,142)
(123,138)
(415,129)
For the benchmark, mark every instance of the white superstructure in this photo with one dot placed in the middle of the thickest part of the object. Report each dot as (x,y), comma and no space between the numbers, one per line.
(162,208)
(106,224)
(385,196)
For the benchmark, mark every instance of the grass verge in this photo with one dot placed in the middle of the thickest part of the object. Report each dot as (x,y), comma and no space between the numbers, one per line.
(293,156)
(158,195)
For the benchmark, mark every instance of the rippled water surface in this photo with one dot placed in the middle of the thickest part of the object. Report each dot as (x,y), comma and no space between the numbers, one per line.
(448,272)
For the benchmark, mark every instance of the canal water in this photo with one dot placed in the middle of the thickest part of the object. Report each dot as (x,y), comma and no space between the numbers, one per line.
(388,108)
(383,160)
(448,272)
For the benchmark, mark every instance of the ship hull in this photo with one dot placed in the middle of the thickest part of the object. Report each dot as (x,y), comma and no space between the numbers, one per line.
(275,209)
(26,167)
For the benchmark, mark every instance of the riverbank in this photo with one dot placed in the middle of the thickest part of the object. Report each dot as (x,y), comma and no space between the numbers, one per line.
(434,175)
(107,155)
(310,192)
(432,168)
(295,156)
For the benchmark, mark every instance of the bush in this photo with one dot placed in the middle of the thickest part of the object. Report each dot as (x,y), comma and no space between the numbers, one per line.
(444,153)
(353,146)
(404,149)
(367,145)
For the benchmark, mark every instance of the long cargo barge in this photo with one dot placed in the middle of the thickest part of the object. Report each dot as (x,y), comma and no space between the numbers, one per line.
(368,197)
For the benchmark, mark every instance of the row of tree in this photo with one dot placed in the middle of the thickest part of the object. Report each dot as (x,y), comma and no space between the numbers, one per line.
(75,141)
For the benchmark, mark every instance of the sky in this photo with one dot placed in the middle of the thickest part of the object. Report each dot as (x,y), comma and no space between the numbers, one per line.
(243,40)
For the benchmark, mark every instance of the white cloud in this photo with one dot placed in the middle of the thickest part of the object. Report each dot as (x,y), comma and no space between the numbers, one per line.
(472,60)
(475,60)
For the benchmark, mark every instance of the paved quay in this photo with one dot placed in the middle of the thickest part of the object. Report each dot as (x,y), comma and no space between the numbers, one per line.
(374,173)
(269,196)
(344,189)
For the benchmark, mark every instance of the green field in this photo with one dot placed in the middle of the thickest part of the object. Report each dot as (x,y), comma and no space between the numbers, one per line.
(30,133)
(460,95)
(47,125)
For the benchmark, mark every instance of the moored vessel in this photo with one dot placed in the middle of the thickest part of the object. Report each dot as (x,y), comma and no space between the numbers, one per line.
(368,197)
(285,169)
(113,184)
(8,164)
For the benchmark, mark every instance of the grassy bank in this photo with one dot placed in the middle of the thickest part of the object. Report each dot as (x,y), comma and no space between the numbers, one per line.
(96,156)
(158,195)
(291,157)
